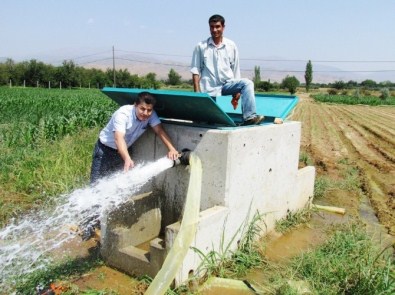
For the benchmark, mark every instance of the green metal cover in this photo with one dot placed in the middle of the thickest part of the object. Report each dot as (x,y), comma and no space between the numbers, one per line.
(270,105)
(178,105)
(200,108)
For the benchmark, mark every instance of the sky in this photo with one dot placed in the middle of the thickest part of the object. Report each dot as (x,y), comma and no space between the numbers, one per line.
(350,35)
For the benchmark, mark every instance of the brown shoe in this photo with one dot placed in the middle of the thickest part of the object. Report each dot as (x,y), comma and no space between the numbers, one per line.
(254,121)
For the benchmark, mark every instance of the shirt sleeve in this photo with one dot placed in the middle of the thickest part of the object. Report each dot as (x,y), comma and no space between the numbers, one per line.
(236,67)
(120,121)
(196,63)
(154,119)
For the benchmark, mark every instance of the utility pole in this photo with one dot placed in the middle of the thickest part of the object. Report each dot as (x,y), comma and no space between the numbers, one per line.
(113,66)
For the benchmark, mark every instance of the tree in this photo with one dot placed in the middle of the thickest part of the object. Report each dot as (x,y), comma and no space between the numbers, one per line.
(67,74)
(173,78)
(257,75)
(264,85)
(290,83)
(308,76)
(339,85)
(35,72)
(368,83)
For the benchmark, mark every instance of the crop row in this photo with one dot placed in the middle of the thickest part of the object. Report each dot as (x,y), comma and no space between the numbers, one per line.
(353,100)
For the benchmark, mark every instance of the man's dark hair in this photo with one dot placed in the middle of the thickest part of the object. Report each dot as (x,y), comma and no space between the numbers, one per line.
(146,97)
(216,18)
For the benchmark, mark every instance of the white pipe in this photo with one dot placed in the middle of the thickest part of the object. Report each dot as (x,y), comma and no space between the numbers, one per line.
(185,236)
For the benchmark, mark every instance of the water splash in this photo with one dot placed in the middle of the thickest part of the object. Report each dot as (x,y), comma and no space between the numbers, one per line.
(25,245)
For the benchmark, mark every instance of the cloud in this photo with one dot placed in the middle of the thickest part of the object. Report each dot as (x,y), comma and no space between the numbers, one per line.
(90,21)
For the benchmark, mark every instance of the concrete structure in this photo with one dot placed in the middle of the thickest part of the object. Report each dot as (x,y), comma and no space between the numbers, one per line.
(245,170)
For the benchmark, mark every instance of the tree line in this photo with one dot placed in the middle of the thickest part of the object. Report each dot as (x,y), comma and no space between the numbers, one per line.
(35,73)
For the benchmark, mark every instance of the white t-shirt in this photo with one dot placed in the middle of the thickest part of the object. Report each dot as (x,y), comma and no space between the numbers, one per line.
(126,121)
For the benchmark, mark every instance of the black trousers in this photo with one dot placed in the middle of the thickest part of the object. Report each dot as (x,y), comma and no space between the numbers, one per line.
(105,161)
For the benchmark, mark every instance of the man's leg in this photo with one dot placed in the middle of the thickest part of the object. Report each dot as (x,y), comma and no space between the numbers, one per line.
(105,161)
(246,88)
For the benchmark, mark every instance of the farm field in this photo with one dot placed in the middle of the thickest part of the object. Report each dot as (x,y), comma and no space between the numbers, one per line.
(47,151)
(341,137)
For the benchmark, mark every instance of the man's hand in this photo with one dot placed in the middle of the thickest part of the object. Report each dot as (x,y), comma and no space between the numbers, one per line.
(173,155)
(128,164)
(235,100)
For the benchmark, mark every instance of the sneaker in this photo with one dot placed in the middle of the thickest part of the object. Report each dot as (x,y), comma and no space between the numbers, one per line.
(253,121)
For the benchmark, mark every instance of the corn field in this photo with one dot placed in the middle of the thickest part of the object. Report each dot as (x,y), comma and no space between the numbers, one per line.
(30,115)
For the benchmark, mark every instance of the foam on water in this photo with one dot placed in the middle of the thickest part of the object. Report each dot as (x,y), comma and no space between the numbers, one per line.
(25,245)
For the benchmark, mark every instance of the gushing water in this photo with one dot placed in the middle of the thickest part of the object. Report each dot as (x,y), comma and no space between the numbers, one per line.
(25,246)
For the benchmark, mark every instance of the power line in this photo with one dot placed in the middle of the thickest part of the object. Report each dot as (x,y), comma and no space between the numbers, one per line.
(246,59)
(321,61)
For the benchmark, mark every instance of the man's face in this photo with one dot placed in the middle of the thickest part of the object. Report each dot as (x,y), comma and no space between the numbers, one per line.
(144,111)
(216,29)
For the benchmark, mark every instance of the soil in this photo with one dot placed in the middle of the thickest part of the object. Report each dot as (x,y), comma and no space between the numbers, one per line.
(336,138)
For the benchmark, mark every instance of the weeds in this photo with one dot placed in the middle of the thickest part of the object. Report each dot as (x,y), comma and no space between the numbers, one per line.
(321,185)
(347,263)
(226,263)
(293,219)
(305,159)
(28,283)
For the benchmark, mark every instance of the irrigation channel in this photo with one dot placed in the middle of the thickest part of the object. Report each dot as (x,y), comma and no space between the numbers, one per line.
(26,245)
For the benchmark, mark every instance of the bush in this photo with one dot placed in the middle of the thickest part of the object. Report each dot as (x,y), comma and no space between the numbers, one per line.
(291,83)
(332,91)
(344,92)
(385,93)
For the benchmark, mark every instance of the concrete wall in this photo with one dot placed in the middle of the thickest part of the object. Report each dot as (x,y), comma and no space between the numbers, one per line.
(245,170)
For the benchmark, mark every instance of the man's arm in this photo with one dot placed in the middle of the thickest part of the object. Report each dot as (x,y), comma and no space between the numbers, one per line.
(196,84)
(173,154)
(123,150)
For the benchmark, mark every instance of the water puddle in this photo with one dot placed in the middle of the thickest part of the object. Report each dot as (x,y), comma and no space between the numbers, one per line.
(280,247)
(28,244)
(377,231)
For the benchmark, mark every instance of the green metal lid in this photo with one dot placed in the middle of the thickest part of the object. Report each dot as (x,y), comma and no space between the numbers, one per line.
(201,109)
(176,105)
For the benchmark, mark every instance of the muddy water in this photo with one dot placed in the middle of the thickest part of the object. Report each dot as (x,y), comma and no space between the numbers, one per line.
(280,247)
(105,278)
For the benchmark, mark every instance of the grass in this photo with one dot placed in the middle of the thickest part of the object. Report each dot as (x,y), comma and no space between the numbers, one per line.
(348,263)
(27,284)
(30,177)
(227,263)
(293,219)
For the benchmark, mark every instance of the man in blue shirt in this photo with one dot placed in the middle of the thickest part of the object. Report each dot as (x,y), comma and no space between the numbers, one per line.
(215,70)
(127,124)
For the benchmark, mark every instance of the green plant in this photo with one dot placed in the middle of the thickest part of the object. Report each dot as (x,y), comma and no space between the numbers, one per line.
(227,263)
(28,283)
(305,159)
(308,76)
(321,185)
(355,99)
(348,263)
(332,91)
(291,83)
(385,93)
(293,219)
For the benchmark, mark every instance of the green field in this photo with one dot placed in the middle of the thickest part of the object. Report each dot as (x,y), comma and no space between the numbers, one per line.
(46,141)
